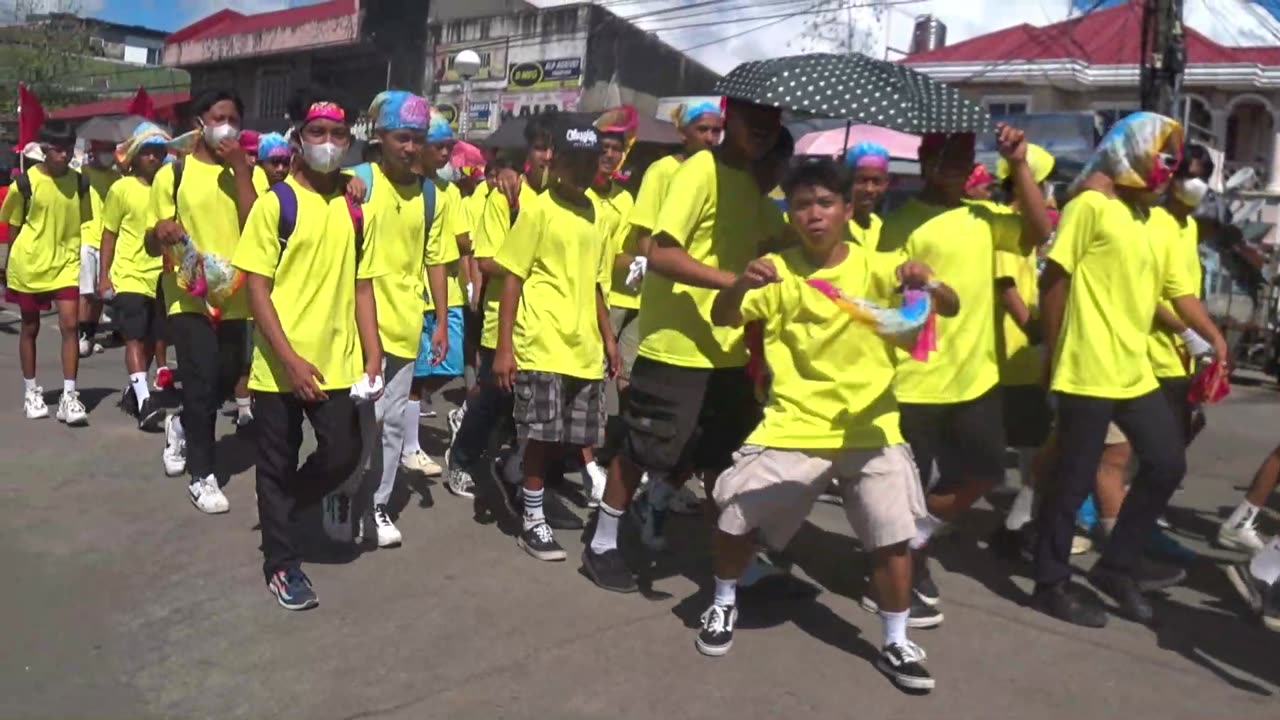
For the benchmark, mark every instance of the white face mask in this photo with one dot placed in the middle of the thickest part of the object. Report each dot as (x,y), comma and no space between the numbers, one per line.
(448,173)
(322,157)
(215,134)
(1190,192)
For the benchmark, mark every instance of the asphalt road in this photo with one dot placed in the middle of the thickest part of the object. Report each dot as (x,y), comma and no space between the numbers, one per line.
(123,601)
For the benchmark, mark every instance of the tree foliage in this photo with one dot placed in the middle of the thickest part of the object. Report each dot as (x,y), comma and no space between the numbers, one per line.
(835,26)
(47,54)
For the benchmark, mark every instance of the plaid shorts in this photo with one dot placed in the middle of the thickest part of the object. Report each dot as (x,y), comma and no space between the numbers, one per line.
(555,408)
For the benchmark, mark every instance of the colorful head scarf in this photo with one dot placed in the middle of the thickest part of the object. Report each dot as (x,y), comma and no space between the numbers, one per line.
(438,129)
(273,145)
(398,110)
(249,141)
(685,113)
(978,178)
(148,133)
(621,120)
(468,159)
(1141,151)
(867,155)
(325,110)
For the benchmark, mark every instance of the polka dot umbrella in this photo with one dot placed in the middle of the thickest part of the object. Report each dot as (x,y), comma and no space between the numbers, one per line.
(857,87)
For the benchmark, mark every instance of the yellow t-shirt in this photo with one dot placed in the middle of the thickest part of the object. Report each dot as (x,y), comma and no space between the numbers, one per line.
(489,238)
(100,182)
(474,206)
(559,251)
(45,256)
(1020,361)
(717,214)
(617,204)
(1117,275)
(832,381)
(1166,348)
(260,181)
(207,209)
(124,214)
(449,221)
(868,237)
(959,244)
(314,286)
(653,189)
(394,216)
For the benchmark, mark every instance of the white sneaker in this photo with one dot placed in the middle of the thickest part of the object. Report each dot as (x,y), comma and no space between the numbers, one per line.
(388,535)
(86,347)
(175,447)
(336,511)
(418,461)
(207,496)
(455,417)
(98,349)
(71,411)
(595,478)
(33,404)
(244,417)
(1241,537)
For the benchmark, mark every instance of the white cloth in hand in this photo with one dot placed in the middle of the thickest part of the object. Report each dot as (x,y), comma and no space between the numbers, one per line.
(367,389)
(1197,346)
(635,273)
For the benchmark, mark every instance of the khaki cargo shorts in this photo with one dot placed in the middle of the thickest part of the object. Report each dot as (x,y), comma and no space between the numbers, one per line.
(773,490)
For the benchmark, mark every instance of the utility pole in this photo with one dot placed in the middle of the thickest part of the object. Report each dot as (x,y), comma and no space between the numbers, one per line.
(1164,56)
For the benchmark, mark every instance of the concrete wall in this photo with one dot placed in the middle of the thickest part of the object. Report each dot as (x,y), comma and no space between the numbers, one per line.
(270,41)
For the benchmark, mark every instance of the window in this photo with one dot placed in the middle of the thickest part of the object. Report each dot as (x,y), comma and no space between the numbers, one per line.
(483,24)
(273,92)
(453,31)
(1111,113)
(1005,105)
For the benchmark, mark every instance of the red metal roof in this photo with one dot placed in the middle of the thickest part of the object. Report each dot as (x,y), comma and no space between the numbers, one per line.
(1103,37)
(230,22)
(118,106)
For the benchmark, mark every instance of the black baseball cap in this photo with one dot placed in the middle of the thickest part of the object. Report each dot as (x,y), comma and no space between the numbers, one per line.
(572,136)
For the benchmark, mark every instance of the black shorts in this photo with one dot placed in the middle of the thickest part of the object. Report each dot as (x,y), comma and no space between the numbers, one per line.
(1027,417)
(966,439)
(677,418)
(135,315)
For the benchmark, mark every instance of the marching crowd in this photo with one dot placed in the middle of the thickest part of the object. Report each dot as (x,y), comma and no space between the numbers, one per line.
(650,339)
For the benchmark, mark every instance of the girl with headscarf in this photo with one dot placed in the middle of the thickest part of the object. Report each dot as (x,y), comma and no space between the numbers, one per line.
(1100,288)
(869,163)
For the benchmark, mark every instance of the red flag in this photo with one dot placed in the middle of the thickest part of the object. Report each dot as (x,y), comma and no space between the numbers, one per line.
(142,105)
(30,116)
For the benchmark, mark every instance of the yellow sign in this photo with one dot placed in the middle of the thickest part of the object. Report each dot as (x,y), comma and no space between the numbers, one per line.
(545,74)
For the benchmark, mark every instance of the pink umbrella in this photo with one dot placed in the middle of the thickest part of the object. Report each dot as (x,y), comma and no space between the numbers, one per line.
(833,142)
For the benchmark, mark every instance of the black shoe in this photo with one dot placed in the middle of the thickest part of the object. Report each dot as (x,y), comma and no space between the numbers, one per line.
(1124,590)
(559,516)
(903,663)
(1262,598)
(716,636)
(150,417)
(1153,576)
(1011,545)
(129,402)
(540,542)
(921,580)
(608,570)
(1070,603)
(501,497)
(922,617)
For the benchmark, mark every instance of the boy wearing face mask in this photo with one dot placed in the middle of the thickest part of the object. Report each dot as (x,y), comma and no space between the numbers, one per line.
(316,344)
(101,173)
(210,204)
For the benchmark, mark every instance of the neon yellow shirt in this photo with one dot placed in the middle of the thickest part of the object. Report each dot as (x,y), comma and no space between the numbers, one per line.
(653,189)
(124,214)
(1020,361)
(868,237)
(489,238)
(45,255)
(617,203)
(100,182)
(394,217)
(1166,348)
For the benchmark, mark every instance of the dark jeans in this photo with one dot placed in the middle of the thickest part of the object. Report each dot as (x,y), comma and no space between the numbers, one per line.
(211,358)
(284,488)
(1148,423)
(489,411)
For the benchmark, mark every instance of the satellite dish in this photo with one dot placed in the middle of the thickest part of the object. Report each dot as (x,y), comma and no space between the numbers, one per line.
(1241,179)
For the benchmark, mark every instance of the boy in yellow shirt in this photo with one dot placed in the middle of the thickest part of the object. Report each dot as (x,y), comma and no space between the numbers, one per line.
(553,325)
(101,173)
(128,275)
(44,267)
(316,349)
(870,165)
(1104,277)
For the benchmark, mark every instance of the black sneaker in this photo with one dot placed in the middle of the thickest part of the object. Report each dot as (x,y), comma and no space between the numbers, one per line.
(150,417)
(608,570)
(921,580)
(903,663)
(1070,603)
(716,636)
(500,496)
(129,402)
(922,617)
(540,542)
(1262,598)
(1154,576)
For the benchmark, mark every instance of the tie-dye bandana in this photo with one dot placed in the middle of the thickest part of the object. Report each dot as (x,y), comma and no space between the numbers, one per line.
(148,133)
(684,114)
(1141,151)
(398,110)
(273,145)
(438,128)
(325,111)
(867,155)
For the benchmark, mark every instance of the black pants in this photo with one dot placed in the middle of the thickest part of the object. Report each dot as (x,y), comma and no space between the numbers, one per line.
(1175,391)
(211,358)
(1148,423)
(489,411)
(283,487)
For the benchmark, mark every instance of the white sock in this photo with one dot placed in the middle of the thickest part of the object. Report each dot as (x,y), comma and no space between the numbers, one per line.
(1243,515)
(726,592)
(593,467)
(895,626)
(178,432)
(28,384)
(68,386)
(606,535)
(138,381)
(412,420)
(1265,564)
(533,507)
(244,405)
(1020,511)
(925,528)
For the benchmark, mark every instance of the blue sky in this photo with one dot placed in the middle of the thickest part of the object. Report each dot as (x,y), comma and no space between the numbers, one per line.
(171,14)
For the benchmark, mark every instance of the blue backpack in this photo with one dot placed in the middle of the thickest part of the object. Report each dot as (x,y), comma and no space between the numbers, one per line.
(289,218)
